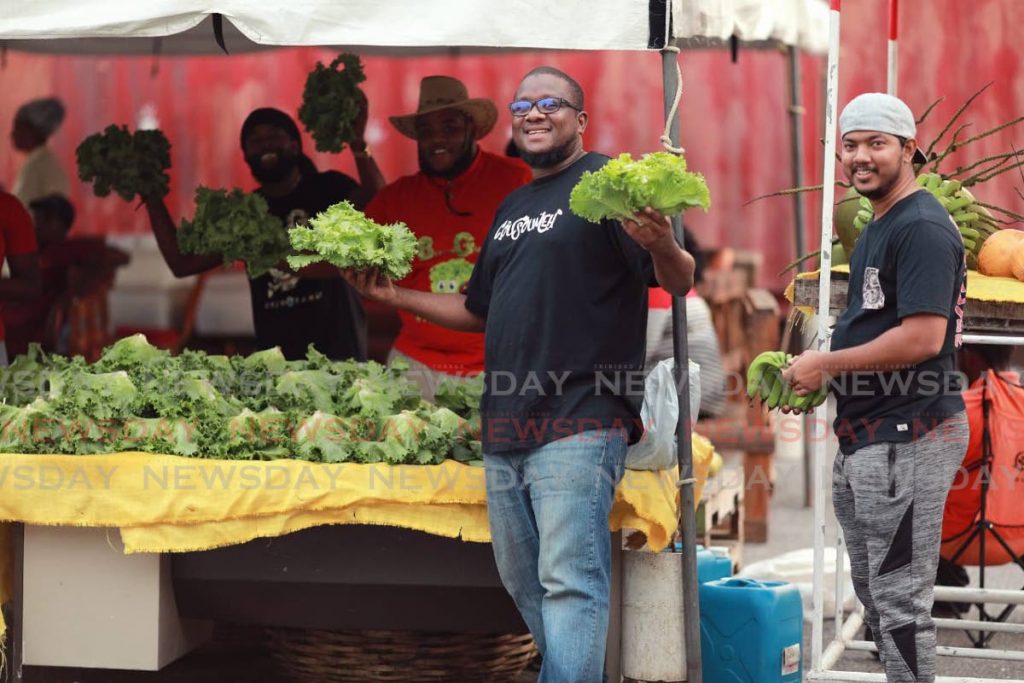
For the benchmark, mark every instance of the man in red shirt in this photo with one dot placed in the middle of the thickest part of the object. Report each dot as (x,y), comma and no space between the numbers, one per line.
(18,246)
(449,204)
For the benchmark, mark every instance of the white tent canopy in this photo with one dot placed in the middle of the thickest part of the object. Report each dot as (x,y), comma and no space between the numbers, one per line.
(182,26)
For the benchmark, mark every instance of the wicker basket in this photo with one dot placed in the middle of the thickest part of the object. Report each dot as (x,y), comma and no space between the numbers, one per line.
(398,656)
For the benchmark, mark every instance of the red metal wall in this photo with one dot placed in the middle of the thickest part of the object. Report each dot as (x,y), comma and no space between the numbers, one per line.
(734,116)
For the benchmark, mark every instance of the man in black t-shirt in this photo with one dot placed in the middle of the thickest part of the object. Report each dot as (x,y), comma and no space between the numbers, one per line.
(563,306)
(900,418)
(290,310)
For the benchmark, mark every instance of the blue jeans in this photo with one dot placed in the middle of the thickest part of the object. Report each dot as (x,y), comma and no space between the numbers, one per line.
(548,510)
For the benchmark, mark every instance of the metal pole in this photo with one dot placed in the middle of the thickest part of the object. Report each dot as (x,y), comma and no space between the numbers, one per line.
(894,32)
(824,287)
(796,117)
(687,521)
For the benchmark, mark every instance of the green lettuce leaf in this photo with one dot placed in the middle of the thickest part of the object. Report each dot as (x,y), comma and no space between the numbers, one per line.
(344,237)
(622,187)
(126,163)
(238,226)
(331,101)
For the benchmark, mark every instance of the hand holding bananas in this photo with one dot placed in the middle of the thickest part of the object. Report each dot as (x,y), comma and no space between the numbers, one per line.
(782,381)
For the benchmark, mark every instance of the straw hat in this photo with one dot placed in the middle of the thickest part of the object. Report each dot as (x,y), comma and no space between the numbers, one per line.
(444,92)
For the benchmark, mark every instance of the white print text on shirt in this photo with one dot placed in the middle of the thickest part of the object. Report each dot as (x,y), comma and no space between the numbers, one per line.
(283,281)
(520,226)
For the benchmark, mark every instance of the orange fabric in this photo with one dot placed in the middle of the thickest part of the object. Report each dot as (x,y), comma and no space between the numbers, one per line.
(1003,508)
(17,236)
(419,202)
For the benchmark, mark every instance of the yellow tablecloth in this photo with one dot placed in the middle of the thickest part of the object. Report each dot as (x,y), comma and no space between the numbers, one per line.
(163,503)
(979,287)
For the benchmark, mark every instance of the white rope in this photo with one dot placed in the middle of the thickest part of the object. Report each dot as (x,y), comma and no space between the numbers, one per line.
(686,482)
(666,139)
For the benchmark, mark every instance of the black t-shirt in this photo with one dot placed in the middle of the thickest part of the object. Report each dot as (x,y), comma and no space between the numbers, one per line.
(565,302)
(909,261)
(293,312)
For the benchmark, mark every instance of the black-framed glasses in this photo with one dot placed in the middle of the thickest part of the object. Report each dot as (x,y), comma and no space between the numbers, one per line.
(545,105)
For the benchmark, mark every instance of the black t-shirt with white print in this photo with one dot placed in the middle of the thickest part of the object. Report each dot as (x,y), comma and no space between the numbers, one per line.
(292,312)
(909,261)
(565,302)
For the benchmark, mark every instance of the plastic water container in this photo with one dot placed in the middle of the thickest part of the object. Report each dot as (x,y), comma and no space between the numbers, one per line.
(712,563)
(751,631)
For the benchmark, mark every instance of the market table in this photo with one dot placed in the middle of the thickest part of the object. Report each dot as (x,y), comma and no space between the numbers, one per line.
(294,543)
(994,304)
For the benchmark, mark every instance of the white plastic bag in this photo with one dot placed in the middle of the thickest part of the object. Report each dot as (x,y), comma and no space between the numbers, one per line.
(660,415)
(797,567)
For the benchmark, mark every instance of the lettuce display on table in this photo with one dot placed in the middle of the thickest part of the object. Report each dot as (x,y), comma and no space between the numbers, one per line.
(137,397)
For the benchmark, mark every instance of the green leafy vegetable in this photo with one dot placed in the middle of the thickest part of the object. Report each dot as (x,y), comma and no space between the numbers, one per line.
(102,396)
(623,187)
(139,397)
(331,102)
(161,435)
(323,437)
(263,435)
(343,236)
(238,226)
(127,163)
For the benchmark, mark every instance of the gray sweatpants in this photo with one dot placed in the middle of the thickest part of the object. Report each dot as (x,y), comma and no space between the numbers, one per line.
(889,499)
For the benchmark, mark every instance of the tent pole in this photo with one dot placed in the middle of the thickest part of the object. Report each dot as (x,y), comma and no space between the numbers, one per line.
(796,117)
(894,33)
(687,520)
(824,290)
(796,114)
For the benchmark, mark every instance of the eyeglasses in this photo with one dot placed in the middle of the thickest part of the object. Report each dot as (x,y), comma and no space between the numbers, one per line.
(545,105)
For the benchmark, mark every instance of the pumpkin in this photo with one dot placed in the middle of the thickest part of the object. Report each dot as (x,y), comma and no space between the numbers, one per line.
(995,255)
(1017,261)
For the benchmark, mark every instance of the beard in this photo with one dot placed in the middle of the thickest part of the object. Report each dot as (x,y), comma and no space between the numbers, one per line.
(547,159)
(884,183)
(274,173)
(466,156)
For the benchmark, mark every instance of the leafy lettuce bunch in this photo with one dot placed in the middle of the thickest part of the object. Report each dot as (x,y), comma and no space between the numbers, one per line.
(331,102)
(261,406)
(623,187)
(343,236)
(127,163)
(238,226)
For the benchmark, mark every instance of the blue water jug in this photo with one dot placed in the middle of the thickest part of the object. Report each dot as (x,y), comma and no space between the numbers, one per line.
(712,563)
(751,631)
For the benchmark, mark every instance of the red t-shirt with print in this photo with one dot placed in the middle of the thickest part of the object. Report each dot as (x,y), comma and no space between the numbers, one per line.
(451,220)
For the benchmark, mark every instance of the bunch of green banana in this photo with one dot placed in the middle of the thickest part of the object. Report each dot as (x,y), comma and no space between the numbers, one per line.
(764,380)
(865,212)
(973,220)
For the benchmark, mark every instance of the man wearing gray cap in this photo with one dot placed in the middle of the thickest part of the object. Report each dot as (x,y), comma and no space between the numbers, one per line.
(41,175)
(900,417)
